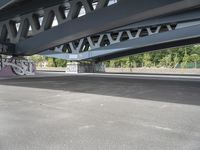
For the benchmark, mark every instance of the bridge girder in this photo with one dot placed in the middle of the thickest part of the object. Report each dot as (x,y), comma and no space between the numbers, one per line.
(130,12)
(181,36)
(123,16)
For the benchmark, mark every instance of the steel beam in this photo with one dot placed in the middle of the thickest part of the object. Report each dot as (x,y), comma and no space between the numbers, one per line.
(24,7)
(133,31)
(186,16)
(22,27)
(174,38)
(5,3)
(7,48)
(123,13)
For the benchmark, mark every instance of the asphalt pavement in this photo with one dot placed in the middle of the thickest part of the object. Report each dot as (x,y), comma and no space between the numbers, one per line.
(100,112)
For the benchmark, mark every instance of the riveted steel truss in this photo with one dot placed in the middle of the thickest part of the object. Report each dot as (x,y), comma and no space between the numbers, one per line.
(182,34)
(26,26)
(83,28)
(106,39)
(101,20)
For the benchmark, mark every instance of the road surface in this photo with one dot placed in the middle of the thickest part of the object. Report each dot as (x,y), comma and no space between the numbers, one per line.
(100,112)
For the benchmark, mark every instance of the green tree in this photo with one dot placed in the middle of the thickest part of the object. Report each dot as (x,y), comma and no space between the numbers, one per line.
(166,61)
(147,60)
(172,58)
(176,61)
(186,59)
(194,58)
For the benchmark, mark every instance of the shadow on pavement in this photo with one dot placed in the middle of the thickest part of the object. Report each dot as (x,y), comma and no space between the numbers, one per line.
(182,92)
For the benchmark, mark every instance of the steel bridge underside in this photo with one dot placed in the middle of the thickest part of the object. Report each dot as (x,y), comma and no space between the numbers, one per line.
(96,29)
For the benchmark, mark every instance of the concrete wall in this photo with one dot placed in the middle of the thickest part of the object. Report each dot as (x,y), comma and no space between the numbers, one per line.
(137,70)
(154,70)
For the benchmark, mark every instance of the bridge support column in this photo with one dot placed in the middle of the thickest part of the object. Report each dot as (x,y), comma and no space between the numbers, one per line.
(16,66)
(85,67)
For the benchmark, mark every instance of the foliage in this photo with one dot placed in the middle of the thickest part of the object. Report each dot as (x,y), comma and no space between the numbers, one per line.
(42,61)
(184,57)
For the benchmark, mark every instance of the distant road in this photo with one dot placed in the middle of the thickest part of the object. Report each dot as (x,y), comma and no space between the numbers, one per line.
(178,77)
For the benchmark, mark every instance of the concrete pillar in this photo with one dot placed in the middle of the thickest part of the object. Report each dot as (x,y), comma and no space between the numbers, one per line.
(16,66)
(85,67)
